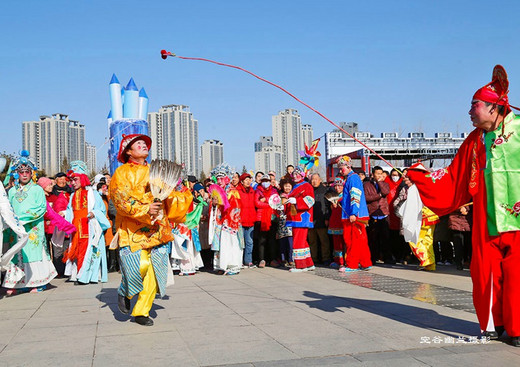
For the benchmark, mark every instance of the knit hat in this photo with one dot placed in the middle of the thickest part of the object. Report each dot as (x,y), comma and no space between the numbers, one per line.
(265,178)
(198,186)
(339,181)
(298,170)
(44,182)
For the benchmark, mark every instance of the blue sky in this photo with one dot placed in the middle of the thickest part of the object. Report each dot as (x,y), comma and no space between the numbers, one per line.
(388,65)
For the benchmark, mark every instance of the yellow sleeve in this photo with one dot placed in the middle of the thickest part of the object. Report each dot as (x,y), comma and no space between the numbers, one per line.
(129,196)
(177,205)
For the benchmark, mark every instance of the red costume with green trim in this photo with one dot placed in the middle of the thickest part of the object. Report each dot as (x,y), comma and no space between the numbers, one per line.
(486,170)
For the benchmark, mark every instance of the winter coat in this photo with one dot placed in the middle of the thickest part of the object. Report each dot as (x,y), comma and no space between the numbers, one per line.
(321,208)
(248,205)
(460,222)
(261,205)
(376,198)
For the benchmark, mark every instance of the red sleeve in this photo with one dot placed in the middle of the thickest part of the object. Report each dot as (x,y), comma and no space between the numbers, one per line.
(306,190)
(258,203)
(447,189)
(60,204)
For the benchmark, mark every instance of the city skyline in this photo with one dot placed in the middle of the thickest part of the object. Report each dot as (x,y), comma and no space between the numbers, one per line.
(52,140)
(175,136)
(390,67)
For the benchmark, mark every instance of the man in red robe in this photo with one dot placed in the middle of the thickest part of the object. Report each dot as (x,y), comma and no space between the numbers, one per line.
(486,170)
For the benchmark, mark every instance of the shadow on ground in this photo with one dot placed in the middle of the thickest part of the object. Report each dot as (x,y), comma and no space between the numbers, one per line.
(108,297)
(406,314)
(3,291)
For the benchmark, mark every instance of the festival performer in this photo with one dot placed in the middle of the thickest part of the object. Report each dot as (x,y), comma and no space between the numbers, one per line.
(56,239)
(423,249)
(225,231)
(299,217)
(31,268)
(486,170)
(336,225)
(86,260)
(355,217)
(186,244)
(8,220)
(143,235)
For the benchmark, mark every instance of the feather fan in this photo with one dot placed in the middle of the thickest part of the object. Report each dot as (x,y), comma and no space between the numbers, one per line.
(333,197)
(164,177)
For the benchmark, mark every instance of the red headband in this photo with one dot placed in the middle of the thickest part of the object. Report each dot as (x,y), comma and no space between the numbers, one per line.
(496,91)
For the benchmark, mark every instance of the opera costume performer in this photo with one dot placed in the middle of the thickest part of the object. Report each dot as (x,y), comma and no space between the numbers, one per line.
(143,234)
(31,268)
(85,259)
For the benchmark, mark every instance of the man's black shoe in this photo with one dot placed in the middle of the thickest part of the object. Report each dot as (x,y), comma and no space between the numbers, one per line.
(515,341)
(123,304)
(500,330)
(143,320)
(493,335)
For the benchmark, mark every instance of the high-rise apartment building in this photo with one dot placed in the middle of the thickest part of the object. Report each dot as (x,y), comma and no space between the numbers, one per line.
(270,158)
(90,152)
(212,153)
(155,132)
(265,141)
(287,134)
(175,134)
(307,134)
(51,139)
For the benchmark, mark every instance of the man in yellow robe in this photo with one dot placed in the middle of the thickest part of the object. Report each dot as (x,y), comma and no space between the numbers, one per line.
(142,234)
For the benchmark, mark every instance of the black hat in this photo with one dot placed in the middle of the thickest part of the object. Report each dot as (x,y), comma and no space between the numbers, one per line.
(192,179)
(60,174)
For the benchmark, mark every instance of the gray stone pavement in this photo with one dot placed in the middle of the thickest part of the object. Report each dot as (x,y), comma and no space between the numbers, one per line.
(261,317)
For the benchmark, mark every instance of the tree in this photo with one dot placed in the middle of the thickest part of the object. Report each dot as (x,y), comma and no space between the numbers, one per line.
(104,169)
(64,165)
(41,173)
(202,176)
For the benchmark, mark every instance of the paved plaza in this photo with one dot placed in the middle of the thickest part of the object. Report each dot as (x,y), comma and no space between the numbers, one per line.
(390,316)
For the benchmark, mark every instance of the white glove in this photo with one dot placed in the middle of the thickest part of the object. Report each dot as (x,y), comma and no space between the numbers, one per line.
(291,200)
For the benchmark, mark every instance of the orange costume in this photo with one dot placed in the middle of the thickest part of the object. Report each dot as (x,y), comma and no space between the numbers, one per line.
(143,239)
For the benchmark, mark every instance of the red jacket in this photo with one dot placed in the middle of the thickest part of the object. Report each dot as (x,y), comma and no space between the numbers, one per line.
(248,205)
(393,220)
(58,203)
(263,193)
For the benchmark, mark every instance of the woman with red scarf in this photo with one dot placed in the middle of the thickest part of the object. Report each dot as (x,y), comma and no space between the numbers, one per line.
(264,217)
